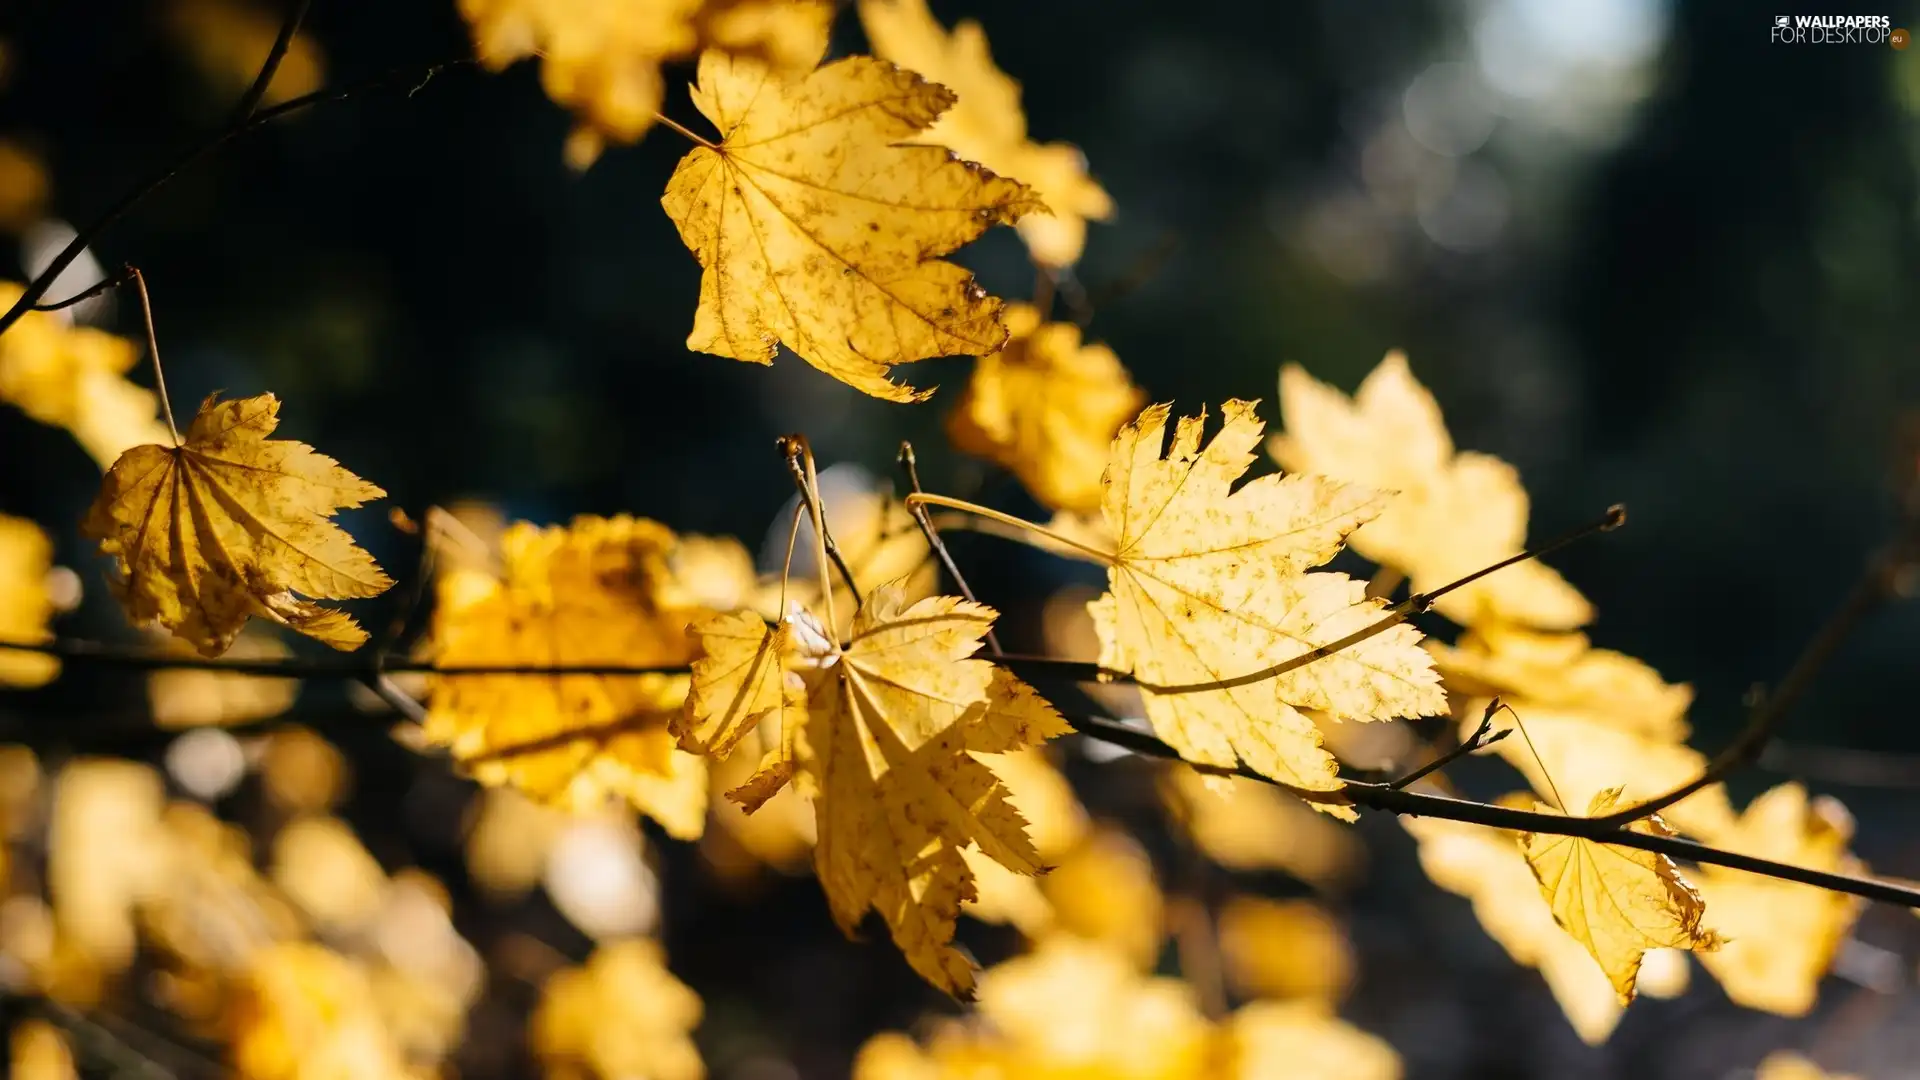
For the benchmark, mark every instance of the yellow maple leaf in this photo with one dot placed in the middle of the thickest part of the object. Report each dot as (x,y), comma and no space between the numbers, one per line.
(1058,824)
(26,606)
(1781,937)
(1618,902)
(987,124)
(587,594)
(231,524)
(1561,671)
(1488,868)
(816,229)
(1453,514)
(1304,1040)
(888,754)
(1046,407)
(603,60)
(1208,583)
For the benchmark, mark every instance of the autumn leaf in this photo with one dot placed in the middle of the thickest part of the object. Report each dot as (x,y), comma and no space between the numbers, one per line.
(887,752)
(231,524)
(1786,1065)
(26,558)
(584,595)
(1068,1009)
(622,1014)
(1208,583)
(1453,513)
(1782,937)
(1488,868)
(987,125)
(305,1012)
(1046,407)
(1304,1040)
(1618,902)
(816,229)
(603,60)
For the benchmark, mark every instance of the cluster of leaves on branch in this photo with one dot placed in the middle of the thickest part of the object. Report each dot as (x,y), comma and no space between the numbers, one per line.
(851,710)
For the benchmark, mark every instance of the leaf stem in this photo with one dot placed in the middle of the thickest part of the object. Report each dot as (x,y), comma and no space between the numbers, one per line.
(939,546)
(153,351)
(1104,558)
(683,129)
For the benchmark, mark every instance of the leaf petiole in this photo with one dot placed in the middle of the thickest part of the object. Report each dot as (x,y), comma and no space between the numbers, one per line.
(918,498)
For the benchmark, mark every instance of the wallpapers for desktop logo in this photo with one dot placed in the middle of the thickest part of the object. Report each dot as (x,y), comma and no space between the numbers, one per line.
(1837,30)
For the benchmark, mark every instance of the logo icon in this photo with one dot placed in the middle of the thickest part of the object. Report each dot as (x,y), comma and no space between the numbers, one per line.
(1783,20)
(1899,39)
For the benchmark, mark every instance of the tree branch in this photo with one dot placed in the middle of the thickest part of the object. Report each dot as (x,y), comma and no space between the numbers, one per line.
(414,77)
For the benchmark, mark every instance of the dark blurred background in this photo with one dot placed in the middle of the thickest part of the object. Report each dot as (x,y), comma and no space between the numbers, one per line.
(1634,248)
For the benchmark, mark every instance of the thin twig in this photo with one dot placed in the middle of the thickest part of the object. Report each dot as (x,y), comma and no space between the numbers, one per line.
(939,546)
(153,351)
(37,288)
(1483,736)
(114,282)
(800,463)
(1400,801)
(250,101)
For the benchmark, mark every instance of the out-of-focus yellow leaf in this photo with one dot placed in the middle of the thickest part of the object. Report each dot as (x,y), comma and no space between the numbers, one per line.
(75,377)
(508,843)
(23,186)
(1068,1011)
(1303,1040)
(1284,949)
(26,558)
(1453,514)
(1056,821)
(1527,668)
(1046,407)
(1243,825)
(38,1051)
(818,229)
(228,39)
(1487,867)
(621,1016)
(183,698)
(1209,583)
(587,594)
(302,772)
(1787,1065)
(1104,891)
(232,524)
(987,125)
(603,60)
(322,866)
(1781,937)
(1618,902)
(305,1012)
(105,854)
